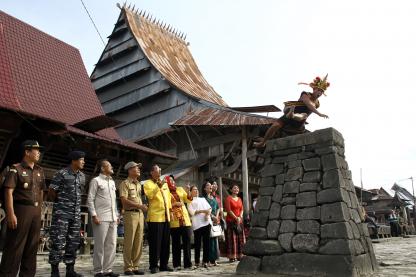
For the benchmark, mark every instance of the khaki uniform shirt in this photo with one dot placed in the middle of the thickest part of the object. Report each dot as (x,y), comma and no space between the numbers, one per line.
(131,190)
(27,183)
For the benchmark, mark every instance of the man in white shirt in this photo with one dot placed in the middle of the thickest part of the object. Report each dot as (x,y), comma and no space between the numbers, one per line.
(104,213)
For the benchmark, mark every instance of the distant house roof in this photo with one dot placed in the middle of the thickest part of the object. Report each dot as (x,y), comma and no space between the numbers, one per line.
(169,54)
(222,117)
(45,77)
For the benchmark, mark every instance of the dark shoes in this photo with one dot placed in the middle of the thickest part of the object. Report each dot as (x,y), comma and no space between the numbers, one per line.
(154,270)
(55,271)
(111,274)
(128,273)
(135,272)
(70,272)
(99,275)
(168,269)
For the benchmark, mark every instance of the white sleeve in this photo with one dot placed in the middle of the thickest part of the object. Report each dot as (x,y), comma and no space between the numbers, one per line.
(92,191)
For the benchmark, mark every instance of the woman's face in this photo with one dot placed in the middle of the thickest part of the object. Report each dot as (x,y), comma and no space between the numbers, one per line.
(235,190)
(214,187)
(194,192)
(208,188)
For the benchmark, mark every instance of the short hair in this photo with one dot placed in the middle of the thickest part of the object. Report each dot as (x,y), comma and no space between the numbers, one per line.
(101,163)
(153,167)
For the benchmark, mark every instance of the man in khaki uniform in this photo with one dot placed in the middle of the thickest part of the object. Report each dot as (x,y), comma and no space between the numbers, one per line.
(130,195)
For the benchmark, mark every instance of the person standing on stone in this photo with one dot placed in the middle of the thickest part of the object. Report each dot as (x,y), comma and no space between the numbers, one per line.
(65,191)
(23,188)
(158,218)
(200,210)
(180,224)
(235,237)
(130,191)
(215,217)
(103,209)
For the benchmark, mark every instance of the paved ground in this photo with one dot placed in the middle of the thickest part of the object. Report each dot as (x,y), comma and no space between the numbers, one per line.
(396,257)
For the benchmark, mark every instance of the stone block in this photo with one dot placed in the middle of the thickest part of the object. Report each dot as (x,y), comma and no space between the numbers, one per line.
(305,243)
(306,155)
(331,161)
(288,200)
(355,216)
(292,157)
(260,218)
(354,200)
(273,229)
(274,211)
(287,226)
(336,212)
(271,170)
(295,163)
(264,203)
(328,150)
(278,193)
(293,174)
(280,179)
(285,152)
(333,179)
(258,233)
(288,212)
(312,177)
(286,241)
(255,247)
(249,265)
(266,191)
(267,182)
(307,264)
(337,230)
(308,213)
(338,247)
(333,195)
(308,187)
(306,199)
(355,231)
(311,164)
(308,227)
(291,187)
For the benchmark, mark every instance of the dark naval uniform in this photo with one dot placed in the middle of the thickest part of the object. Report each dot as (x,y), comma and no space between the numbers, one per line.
(22,243)
(66,216)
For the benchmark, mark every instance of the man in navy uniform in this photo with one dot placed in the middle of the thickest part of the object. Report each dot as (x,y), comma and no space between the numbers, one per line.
(65,191)
(24,186)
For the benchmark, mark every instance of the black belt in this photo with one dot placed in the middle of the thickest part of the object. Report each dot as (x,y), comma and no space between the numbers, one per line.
(135,210)
(26,203)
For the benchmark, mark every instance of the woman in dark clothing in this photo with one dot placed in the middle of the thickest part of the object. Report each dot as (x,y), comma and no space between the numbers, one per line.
(215,217)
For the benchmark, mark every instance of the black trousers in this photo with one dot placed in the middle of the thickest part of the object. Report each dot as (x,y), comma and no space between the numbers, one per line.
(181,239)
(22,243)
(202,234)
(159,244)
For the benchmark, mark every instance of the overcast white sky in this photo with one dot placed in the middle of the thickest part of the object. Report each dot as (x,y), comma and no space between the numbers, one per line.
(255,52)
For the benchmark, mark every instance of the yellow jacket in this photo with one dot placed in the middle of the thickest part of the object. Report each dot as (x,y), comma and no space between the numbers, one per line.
(184,198)
(159,201)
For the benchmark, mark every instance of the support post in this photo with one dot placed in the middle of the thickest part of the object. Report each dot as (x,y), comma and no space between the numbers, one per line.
(245,171)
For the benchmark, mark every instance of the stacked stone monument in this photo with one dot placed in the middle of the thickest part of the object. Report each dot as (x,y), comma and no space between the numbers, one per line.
(308,220)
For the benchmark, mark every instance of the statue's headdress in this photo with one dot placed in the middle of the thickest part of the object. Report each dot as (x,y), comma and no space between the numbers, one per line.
(319,83)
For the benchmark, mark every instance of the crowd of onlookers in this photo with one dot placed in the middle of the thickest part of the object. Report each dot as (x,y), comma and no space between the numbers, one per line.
(171,213)
(396,220)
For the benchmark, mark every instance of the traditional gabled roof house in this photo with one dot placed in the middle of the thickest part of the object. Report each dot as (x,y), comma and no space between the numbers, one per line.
(147,78)
(45,93)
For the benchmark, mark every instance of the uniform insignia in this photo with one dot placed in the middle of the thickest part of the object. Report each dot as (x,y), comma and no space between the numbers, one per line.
(25,185)
(13,170)
(24,174)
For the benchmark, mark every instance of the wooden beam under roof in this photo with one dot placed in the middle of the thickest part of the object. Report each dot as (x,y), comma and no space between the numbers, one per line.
(258,109)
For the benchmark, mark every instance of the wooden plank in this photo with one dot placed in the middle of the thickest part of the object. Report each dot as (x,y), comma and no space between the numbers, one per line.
(245,171)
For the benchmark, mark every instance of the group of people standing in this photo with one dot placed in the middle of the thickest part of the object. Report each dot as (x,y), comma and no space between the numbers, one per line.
(171,211)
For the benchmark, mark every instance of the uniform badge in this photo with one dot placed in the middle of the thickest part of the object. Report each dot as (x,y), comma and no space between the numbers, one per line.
(38,174)
(25,185)
(24,174)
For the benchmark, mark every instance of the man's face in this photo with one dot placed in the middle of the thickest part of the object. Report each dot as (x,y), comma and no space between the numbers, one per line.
(78,164)
(107,168)
(32,155)
(318,92)
(155,172)
(134,172)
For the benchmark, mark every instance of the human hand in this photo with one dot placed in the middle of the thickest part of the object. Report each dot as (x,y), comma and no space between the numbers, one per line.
(143,207)
(118,220)
(323,115)
(238,220)
(178,204)
(96,220)
(12,221)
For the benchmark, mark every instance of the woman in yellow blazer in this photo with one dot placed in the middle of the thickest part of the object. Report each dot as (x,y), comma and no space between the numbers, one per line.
(180,224)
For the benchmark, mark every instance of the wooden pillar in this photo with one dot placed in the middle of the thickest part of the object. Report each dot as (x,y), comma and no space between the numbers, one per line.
(221,194)
(245,171)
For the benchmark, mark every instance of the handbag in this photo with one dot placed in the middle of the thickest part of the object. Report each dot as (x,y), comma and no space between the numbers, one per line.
(216,231)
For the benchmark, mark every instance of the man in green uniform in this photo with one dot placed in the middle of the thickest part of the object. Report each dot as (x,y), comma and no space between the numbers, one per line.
(24,186)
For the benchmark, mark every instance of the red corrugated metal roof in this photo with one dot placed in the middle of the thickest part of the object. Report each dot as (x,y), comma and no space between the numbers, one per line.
(170,55)
(45,77)
(222,117)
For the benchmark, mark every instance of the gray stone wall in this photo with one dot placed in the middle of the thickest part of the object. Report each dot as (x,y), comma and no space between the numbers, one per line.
(308,220)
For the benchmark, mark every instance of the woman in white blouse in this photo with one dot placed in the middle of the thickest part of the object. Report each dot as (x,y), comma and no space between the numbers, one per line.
(200,210)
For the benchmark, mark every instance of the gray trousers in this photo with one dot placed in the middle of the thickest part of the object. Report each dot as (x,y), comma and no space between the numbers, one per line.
(105,242)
